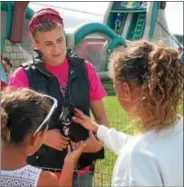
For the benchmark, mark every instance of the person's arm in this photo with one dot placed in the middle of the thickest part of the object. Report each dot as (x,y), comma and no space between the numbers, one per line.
(66,176)
(113,139)
(96,96)
(98,110)
(48,179)
(69,165)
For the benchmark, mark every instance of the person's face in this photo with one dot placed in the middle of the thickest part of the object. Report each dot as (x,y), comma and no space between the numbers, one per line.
(52,44)
(128,96)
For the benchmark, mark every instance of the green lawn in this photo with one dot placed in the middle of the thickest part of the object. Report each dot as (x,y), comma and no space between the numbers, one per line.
(119,120)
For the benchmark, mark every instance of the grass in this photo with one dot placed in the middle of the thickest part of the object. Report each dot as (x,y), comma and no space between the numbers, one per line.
(119,120)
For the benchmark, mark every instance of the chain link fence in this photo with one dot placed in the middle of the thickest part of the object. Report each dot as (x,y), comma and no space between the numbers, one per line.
(104,168)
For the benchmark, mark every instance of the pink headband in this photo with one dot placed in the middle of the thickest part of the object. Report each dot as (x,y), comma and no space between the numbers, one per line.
(45,15)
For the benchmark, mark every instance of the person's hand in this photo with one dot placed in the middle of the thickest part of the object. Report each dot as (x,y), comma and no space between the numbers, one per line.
(54,139)
(92,144)
(85,121)
(73,156)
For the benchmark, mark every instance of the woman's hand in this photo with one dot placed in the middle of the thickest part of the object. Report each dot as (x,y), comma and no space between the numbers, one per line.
(85,121)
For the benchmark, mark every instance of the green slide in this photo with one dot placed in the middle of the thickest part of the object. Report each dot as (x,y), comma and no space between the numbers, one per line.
(124,16)
(137,25)
(128,19)
(140,25)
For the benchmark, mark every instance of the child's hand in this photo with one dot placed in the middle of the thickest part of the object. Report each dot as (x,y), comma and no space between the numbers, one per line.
(92,144)
(85,121)
(73,156)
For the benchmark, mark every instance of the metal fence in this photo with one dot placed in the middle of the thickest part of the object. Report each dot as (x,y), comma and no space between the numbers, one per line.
(100,179)
(104,168)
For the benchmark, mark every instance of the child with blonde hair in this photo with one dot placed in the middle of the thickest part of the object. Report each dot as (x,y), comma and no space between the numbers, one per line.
(148,80)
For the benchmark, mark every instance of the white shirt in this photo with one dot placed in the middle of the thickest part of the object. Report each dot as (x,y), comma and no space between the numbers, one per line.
(152,159)
(27,176)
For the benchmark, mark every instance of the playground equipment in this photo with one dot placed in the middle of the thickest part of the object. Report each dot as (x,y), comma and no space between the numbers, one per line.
(138,19)
(94,42)
(123,22)
(9,22)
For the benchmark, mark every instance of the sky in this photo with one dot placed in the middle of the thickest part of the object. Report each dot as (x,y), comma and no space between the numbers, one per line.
(173,12)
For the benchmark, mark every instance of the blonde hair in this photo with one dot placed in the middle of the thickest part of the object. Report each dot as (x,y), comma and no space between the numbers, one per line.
(159,73)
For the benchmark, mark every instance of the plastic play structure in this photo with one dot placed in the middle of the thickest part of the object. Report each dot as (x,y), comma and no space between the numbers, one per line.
(123,22)
(7,16)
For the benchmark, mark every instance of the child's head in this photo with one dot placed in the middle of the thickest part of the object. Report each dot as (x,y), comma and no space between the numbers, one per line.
(148,80)
(47,30)
(7,66)
(22,113)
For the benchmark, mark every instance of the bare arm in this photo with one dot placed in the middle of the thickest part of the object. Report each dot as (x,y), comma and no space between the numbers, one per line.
(69,165)
(67,176)
(98,110)
(48,179)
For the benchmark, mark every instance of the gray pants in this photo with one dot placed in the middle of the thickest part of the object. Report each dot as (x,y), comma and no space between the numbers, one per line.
(83,181)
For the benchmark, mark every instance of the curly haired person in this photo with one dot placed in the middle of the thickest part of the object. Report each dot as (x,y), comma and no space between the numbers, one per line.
(148,80)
